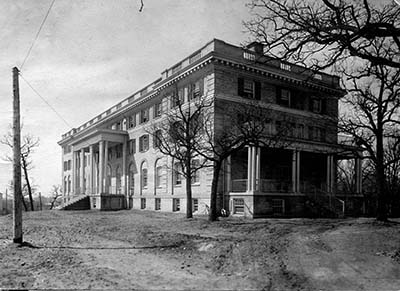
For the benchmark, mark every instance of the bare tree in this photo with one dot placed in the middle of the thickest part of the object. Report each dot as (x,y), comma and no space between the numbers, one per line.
(319,34)
(56,193)
(242,124)
(29,143)
(178,134)
(373,118)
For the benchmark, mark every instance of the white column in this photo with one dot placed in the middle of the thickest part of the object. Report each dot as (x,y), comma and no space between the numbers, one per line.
(82,172)
(249,168)
(294,171)
(106,186)
(73,173)
(257,151)
(123,182)
(328,173)
(91,177)
(101,167)
(298,171)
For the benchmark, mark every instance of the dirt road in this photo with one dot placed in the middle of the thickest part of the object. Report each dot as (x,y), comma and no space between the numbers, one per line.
(147,250)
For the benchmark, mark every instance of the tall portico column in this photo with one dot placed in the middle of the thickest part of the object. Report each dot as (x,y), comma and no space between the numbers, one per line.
(91,176)
(257,169)
(124,192)
(298,186)
(101,166)
(106,186)
(82,172)
(73,172)
(249,168)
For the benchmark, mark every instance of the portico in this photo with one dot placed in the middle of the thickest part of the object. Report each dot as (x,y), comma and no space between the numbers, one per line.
(99,167)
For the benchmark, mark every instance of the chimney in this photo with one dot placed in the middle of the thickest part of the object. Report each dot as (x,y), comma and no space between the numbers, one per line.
(256,47)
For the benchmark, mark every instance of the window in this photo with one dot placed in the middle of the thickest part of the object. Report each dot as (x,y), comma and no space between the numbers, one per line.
(238,206)
(177,98)
(278,206)
(65,166)
(196,175)
(144,115)
(132,146)
(157,109)
(144,143)
(144,178)
(300,131)
(284,97)
(132,121)
(195,205)
(177,175)
(118,151)
(157,204)
(69,165)
(109,154)
(176,204)
(316,105)
(159,176)
(142,203)
(196,89)
(316,133)
(157,138)
(249,89)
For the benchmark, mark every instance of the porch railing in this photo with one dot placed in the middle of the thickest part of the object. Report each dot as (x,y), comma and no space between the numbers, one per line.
(264,185)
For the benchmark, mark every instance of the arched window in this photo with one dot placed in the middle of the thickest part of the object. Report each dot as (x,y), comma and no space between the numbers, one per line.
(118,175)
(159,174)
(143,175)
(131,179)
(108,179)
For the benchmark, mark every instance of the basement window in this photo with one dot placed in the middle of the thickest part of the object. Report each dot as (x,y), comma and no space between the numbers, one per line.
(157,204)
(176,205)
(142,203)
(195,205)
(238,206)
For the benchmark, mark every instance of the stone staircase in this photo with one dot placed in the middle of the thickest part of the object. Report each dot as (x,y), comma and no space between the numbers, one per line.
(80,202)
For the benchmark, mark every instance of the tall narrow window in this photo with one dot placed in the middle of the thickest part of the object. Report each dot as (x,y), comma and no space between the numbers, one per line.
(249,89)
(177,174)
(144,178)
(196,174)
(157,138)
(144,143)
(132,146)
(284,97)
(157,109)
(144,115)
(132,121)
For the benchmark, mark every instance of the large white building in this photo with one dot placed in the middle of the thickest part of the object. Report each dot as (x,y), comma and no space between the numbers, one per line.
(110,162)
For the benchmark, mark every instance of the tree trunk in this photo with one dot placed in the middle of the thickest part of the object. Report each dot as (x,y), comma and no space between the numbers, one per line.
(380,179)
(24,166)
(212,216)
(189,212)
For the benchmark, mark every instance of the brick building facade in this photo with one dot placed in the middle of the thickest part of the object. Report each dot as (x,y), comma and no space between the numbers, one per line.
(111,161)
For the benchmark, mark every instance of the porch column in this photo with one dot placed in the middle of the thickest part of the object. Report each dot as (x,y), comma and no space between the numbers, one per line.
(91,177)
(82,172)
(249,168)
(73,172)
(256,161)
(106,186)
(298,182)
(358,175)
(101,166)
(294,171)
(123,182)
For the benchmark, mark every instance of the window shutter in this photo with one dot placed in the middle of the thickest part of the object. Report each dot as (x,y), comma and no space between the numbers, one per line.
(257,90)
(240,86)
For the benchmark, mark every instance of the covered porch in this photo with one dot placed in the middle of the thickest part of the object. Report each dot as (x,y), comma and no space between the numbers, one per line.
(99,169)
(282,182)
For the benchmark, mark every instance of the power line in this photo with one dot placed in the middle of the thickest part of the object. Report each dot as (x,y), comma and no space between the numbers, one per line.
(45,101)
(37,34)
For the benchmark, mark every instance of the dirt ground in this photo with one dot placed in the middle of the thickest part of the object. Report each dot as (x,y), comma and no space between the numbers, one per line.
(154,251)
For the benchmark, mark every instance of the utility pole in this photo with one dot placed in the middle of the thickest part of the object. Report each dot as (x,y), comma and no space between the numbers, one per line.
(17,210)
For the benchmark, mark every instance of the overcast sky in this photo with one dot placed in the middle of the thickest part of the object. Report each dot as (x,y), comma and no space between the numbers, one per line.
(93,53)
